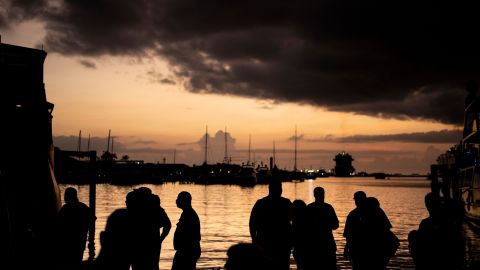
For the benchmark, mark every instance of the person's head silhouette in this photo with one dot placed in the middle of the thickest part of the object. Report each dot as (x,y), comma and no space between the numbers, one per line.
(184,200)
(275,189)
(245,256)
(319,194)
(360,198)
(433,204)
(70,195)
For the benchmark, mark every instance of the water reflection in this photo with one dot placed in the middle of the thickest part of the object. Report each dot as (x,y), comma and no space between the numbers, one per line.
(224,211)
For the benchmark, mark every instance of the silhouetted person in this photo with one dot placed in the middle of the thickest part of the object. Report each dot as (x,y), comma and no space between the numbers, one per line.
(147,217)
(322,220)
(73,222)
(186,240)
(379,240)
(270,226)
(438,242)
(301,236)
(116,243)
(246,256)
(353,231)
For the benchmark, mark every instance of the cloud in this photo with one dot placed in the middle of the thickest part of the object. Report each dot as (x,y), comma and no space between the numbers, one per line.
(404,60)
(299,137)
(88,64)
(158,77)
(442,136)
(140,141)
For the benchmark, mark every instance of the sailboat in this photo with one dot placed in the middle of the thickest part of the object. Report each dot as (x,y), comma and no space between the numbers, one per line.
(247,175)
(296,175)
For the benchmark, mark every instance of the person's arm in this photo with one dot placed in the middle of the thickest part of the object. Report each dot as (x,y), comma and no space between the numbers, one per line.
(334,219)
(347,235)
(253,223)
(166,228)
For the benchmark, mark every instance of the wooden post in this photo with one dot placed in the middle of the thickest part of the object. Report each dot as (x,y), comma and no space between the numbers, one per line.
(92,205)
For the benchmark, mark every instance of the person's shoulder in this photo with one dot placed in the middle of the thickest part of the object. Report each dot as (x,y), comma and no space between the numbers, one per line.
(353,213)
(261,201)
(83,205)
(162,211)
(329,206)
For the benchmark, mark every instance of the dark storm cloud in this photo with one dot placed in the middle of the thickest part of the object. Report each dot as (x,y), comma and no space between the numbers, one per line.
(442,136)
(400,59)
(20,10)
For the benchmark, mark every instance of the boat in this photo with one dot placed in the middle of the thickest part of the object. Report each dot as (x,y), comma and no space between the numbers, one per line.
(29,193)
(457,171)
(246,176)
(379,175)
(264,175)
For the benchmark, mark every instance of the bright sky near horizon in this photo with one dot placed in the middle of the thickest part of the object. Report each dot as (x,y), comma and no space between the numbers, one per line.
(151,111)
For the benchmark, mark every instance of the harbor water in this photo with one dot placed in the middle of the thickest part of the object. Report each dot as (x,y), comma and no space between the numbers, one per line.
(224,212)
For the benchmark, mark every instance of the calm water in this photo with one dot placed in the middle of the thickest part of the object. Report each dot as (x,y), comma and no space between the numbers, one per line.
(224,211)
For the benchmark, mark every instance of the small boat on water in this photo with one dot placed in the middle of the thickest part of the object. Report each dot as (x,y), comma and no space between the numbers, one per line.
(379,175)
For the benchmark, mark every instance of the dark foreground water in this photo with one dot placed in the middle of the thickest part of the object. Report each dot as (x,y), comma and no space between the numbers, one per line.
(224,212)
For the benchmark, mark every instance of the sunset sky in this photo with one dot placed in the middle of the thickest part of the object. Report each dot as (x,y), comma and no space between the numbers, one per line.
(382,81)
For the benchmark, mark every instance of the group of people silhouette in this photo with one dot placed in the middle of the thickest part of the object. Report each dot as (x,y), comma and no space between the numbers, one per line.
(133,235)
(438,243)
(278,226)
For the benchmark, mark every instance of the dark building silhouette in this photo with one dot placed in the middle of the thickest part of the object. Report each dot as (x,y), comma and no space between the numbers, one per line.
(29,195)
(343,164)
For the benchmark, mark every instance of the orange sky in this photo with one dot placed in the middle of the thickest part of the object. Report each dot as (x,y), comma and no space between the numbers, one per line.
(119,94)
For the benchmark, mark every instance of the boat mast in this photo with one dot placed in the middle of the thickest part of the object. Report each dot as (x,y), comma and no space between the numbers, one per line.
(112,144)
(274,160)
(295,163)
(249,145)
(108,140)
(206,144)
(225,159)
(79,145)
(88,143)
(174,155)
